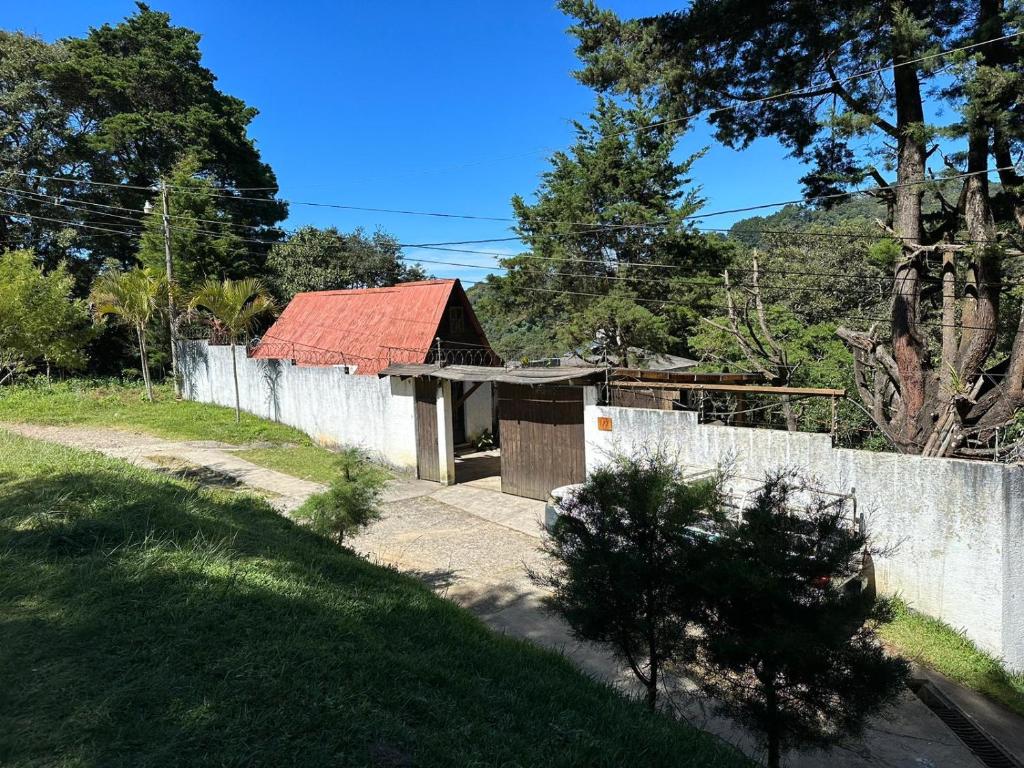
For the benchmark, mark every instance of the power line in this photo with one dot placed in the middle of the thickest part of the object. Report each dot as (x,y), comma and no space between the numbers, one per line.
(662,302)
(671,302)
(602,226)
(708,281)
(596,227)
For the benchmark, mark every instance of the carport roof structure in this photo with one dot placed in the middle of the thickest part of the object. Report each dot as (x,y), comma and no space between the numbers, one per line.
(482,373)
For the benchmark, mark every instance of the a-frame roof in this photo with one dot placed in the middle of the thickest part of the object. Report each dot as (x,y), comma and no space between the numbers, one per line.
(367,327)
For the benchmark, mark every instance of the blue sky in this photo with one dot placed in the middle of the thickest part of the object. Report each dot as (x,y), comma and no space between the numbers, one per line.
(434,106)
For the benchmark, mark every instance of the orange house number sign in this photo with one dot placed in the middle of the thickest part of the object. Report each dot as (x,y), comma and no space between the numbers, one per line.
(604,423)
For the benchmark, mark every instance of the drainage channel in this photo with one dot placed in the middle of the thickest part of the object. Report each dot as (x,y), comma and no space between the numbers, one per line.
(985,748)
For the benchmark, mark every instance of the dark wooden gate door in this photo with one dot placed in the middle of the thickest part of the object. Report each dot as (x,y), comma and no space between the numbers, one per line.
(542,444)
(427,464)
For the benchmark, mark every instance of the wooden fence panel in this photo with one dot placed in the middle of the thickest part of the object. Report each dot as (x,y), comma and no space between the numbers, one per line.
(542,443)
(428,465)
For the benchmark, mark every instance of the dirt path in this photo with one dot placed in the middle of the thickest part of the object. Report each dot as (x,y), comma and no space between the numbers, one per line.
(475,545)
(284,492)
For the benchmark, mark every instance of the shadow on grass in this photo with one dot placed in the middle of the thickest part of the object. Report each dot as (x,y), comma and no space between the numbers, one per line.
(146,623)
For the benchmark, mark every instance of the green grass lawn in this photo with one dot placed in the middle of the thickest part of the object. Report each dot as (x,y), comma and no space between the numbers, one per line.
(147,622)
(935,644)
(112,404)
(309,462)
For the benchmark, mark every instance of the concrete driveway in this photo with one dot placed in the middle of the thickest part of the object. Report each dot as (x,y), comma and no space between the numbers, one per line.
(475,545)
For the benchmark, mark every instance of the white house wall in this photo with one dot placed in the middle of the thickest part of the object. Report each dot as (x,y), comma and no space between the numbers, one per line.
(479,413)
(331,406)
(957,526)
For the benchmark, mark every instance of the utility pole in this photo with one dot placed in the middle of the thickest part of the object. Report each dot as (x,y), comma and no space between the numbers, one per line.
(169,267)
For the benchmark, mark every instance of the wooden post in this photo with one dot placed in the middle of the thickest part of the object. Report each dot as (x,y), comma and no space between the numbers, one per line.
(169,267)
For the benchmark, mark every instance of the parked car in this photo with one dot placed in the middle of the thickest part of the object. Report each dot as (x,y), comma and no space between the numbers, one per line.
(860,582)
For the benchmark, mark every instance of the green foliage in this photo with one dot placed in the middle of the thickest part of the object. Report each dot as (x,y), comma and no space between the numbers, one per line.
(314,259)
(757,611)
(37,136)
(884,254)
(786,647)
(40,322)
(686,60)
(616,327)
(620,177)
(134,298)
(351,501)
(929,641)
(203,242)
(484,441)
(819,359)
(959,86)
(150,622)
(121,106)
(805,302)
(236,306)
(627,564)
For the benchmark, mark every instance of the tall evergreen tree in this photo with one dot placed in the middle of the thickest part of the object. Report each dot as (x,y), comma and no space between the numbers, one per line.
(612,205)
(204,242)
(926,386)
(146,103)
(37,136)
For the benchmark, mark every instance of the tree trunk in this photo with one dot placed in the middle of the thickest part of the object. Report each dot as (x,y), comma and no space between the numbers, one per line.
(908,346)
(792,425)
(984,278)
(234,373)
(140,331)
(772,730)
(652,681)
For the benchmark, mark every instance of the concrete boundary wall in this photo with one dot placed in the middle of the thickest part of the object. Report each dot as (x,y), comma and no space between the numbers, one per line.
(328,404)
(957,526)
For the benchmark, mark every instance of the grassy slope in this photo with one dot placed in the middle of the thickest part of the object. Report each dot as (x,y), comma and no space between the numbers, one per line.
(933,643)
(145,622)
(125,406)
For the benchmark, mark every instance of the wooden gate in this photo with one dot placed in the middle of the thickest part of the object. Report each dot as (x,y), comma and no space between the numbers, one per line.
(542,443)
(427,461)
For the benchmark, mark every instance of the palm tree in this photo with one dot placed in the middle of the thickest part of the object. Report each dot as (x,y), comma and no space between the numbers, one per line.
(134,297)
(236,305)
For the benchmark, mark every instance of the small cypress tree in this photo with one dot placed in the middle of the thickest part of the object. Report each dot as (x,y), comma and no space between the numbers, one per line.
(627,558)
(789,648)
(351,501)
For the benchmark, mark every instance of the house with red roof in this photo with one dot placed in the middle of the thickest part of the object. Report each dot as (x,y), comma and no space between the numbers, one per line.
(367,329)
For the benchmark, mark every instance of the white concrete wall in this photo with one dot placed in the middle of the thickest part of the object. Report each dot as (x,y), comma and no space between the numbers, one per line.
(478,411)
(331,406)
(445,433)
(958,526)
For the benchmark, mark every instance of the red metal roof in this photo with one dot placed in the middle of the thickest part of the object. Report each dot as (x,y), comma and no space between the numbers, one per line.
(367,328)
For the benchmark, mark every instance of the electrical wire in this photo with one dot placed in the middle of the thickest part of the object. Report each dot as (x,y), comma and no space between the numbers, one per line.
(706,280)
(626,226)
(65,202)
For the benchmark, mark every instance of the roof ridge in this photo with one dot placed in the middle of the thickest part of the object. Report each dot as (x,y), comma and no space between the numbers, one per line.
(376,289)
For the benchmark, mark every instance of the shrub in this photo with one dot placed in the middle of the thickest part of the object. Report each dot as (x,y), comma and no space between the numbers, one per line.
(351,501)
(484,441)
(627,549)
(788,645)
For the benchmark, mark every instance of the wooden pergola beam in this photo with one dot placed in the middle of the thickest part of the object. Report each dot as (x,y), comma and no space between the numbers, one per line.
(684,377)
(748,389)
